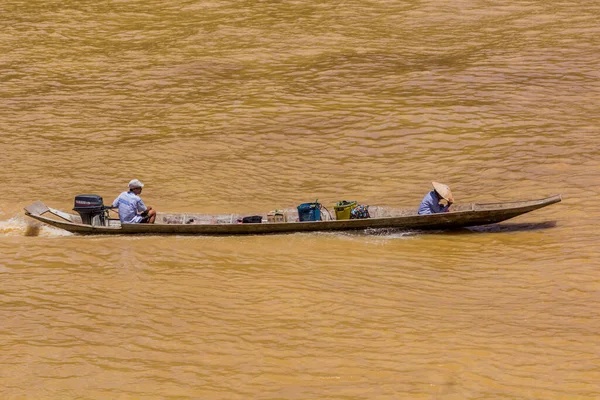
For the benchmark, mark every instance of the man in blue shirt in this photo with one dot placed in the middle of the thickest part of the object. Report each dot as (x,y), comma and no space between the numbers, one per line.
(433,202)
(132,209)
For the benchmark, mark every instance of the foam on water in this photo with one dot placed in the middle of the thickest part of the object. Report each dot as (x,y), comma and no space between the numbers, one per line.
(383,233)
(18,226)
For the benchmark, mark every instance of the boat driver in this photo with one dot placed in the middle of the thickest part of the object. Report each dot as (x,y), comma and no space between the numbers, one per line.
(438,200)
(132,209)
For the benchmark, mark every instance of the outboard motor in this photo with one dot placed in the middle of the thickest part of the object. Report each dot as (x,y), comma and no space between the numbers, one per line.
(91,209)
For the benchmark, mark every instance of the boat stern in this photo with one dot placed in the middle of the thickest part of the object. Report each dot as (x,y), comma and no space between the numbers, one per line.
(36,209)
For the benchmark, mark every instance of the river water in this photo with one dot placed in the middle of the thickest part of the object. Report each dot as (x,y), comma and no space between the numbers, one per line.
(239,106)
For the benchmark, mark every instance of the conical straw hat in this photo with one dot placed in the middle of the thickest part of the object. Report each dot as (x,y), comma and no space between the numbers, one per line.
(444,191)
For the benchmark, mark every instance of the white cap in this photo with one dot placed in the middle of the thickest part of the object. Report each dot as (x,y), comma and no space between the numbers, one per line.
(134,183)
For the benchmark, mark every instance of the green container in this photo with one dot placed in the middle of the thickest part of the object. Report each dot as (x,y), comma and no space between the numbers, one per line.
(343,208)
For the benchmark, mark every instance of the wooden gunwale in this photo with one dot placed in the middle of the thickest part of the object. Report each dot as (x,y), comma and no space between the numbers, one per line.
(477,214)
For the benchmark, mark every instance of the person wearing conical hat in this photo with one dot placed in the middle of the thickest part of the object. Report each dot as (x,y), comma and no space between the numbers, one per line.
(438,200)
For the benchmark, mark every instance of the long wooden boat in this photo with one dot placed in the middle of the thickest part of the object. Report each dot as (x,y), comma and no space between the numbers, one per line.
(467,215)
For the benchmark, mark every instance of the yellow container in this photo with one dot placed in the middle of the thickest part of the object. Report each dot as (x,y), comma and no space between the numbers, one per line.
(343,208)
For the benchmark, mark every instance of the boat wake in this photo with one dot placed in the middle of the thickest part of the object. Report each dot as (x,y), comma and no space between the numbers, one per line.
(18,226)
(390,233)
(513,227)
(384,233)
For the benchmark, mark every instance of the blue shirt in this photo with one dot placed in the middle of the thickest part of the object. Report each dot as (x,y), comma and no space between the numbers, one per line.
(431,204)
(130,205)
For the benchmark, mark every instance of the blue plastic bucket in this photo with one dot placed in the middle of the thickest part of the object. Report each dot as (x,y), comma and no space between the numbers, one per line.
(309,212)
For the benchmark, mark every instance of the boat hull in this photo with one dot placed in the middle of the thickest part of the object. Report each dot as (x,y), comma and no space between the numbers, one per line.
(473,215)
